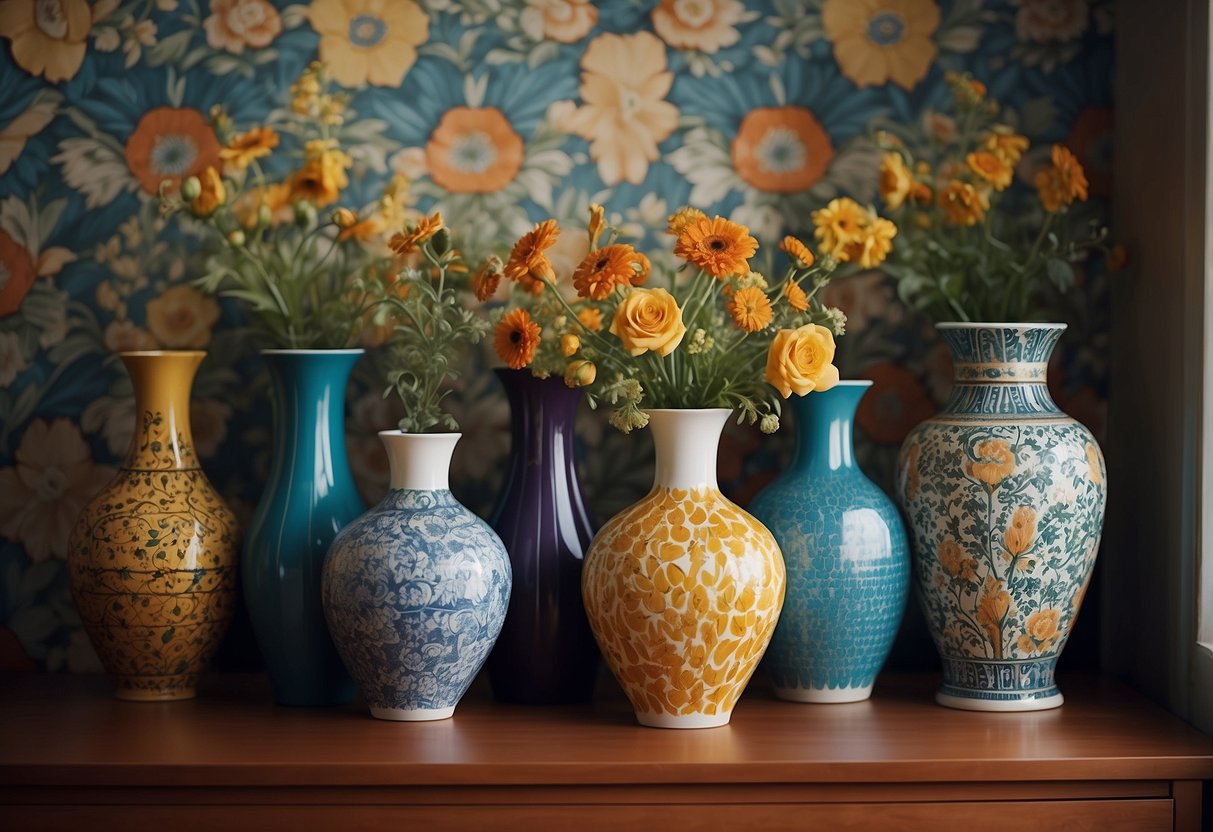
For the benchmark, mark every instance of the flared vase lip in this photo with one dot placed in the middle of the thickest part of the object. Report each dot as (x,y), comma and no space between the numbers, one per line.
(844,382)
(342,351)
(998,324)
(688,410)
(152,353)
(398,432)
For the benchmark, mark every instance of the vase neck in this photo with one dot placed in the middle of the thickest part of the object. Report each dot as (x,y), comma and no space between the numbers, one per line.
(1001,368)
(309,414)
(162,382)
(686,443)
(824,423)
(543,416)
(419,461)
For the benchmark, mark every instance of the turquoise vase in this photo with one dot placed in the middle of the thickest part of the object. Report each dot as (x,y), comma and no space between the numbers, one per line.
(846,555)
(309,497)
(1004,495)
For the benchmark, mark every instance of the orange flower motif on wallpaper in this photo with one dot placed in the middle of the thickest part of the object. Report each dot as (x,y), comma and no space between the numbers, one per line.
(564,21)
(994,462)
(170,143)
(703,25)
(17,274)
(624,82)
(473,150)
(49,37)
(877,41)
(369,41)
(781,149)
(236,24)
(182,318)
(42,493)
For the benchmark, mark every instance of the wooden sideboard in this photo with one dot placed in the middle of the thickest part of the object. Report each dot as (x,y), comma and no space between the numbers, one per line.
(73,758)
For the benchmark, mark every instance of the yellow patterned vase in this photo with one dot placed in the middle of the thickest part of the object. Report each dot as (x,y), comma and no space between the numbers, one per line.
(683,589)
(152,561)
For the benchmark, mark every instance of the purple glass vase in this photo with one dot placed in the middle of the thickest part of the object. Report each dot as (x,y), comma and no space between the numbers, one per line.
(545,654)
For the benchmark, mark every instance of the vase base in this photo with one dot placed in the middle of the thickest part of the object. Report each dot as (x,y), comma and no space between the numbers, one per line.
(413,714)
(825,696)
(171,689)
(683,720)
(1044,702)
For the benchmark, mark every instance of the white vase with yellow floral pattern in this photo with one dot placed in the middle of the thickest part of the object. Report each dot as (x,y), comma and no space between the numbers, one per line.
(683,589)
(1004,496)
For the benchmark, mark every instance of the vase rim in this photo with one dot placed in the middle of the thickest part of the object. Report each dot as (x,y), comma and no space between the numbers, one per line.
(844,382)
(349,351)
(999,324)
(688,410)
(398,432)
(148,353)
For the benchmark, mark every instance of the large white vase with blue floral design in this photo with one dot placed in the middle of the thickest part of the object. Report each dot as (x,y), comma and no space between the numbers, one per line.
(415,591)
(1004,496)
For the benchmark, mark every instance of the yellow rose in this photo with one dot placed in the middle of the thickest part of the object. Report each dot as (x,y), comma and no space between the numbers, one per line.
(649,319)
(211,195)
(801,360)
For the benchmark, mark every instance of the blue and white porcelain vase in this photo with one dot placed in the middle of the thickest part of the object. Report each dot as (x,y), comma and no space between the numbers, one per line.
(416,590)
(846,555)
(1004,495)
(308,497)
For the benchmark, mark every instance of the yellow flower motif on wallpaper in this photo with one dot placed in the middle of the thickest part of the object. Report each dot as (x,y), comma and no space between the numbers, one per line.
(877,41)
(170,144)
(236,24)
(25,126)
(1022,531)
(42,493)
(564,21)
(781,149)
(182,318)
(369,41)
(703,25)
(127,336)
(624,82)
(473,150)
(994,462)
(49,37)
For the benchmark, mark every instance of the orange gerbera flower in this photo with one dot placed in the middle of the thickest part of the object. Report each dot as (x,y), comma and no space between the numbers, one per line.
(413,236)
(750,308)
(527,263)
(991,167)
(602,270)
(797,299)
(720,247)
(486,281)
(243,149)
(517,338)
(1062,182)
(797,250)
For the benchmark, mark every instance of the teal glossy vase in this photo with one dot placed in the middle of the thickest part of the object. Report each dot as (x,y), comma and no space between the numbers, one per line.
(1004,496)
(308,498)
(847,559)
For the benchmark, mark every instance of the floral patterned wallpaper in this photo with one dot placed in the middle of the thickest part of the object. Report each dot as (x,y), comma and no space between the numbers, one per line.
(498,112)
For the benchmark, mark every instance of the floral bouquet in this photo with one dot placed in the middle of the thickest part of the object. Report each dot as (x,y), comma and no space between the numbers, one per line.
(308,280)
(698,340)
(433,326)
(971,250)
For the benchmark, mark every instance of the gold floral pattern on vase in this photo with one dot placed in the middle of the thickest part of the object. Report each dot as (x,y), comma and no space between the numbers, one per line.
(684,588)
(152,558)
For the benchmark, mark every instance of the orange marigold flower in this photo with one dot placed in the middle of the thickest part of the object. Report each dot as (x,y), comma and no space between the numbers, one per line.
(1006,144)
(527,263)
(602,270)
(720,247)
(516,338)
(246,147)
(991,167)
(681,218)
(797,299)
(1062,182)
(590,317)
(487,279)
(413,236)
(797,250)
(750,308)
(963,204)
